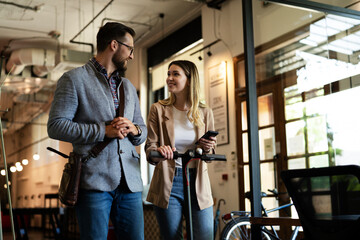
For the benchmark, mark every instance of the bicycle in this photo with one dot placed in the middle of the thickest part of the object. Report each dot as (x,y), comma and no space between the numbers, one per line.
(238,226)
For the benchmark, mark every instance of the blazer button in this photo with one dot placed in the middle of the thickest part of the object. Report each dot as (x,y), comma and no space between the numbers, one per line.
(121,151)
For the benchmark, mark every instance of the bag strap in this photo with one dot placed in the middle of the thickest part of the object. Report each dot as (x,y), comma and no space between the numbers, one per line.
(122,101)
(95,151)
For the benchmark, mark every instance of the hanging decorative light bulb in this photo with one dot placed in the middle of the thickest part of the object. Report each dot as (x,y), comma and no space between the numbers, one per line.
(36,156)
(19,168)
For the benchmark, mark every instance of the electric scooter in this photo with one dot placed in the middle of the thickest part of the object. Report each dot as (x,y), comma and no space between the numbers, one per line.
(186,158)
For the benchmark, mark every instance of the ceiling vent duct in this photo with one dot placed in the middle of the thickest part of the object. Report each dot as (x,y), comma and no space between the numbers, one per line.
(24,83)
(67,60)
(42,60)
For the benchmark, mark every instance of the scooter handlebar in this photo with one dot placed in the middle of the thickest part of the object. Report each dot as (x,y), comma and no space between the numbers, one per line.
(213,157)
(204,157)
(156,154)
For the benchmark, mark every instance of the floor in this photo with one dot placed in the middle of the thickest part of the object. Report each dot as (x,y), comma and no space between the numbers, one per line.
(33,235)
(150,229)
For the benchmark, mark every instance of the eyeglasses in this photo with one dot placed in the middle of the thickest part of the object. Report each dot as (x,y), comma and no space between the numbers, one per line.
(131,49)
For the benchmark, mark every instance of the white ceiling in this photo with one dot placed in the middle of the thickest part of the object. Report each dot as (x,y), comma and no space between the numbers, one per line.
(28,23)
(69,17)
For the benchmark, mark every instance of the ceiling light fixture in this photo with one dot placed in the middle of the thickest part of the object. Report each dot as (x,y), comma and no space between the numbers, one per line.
(206,47)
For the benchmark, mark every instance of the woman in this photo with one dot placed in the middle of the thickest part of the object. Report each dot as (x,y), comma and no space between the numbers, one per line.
(176,123)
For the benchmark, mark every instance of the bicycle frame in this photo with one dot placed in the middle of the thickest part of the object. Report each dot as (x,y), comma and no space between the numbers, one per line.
(265,213)
(271,233)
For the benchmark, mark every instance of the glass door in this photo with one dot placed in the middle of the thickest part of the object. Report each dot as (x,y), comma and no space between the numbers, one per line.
(308,78)
(270,115)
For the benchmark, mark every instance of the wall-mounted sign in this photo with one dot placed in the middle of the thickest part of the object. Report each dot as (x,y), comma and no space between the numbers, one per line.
(219,101)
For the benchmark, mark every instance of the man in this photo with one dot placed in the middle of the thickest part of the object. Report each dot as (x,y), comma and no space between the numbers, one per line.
(84,112)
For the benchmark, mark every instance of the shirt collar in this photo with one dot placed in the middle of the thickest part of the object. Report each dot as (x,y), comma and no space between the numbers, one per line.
(100,68)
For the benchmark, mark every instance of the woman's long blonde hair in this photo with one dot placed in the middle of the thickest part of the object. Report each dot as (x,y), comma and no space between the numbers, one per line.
(194,115)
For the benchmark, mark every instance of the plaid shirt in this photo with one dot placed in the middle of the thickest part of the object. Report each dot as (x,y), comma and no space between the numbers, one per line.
(114,81)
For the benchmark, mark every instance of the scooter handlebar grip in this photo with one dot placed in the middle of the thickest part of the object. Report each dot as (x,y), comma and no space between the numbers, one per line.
(156,154)
(213,157)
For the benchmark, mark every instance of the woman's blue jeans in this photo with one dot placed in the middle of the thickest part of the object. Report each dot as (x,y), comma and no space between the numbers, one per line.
(124,208)
(170,219)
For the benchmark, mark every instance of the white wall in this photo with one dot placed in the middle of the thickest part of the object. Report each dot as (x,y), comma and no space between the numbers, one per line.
(226,25)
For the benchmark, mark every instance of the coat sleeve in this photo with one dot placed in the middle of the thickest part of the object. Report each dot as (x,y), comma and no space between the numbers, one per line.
(138,119)
(210,121)
(210,125)
(153,138)
(61,124)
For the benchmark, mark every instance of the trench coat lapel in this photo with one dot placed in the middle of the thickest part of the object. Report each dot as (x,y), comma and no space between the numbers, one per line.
(201,129)
(169,124)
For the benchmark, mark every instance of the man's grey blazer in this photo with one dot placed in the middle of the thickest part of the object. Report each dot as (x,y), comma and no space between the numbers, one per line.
(82,105)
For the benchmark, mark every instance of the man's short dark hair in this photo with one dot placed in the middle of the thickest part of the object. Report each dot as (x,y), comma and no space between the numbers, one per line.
(111,31)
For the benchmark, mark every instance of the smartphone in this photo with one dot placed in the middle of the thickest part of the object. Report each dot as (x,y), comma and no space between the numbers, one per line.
(209,134)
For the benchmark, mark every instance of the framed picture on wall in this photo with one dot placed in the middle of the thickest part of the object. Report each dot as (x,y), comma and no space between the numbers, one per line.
(219,101)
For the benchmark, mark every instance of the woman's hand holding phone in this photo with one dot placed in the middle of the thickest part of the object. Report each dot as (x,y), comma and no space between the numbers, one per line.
(208,141)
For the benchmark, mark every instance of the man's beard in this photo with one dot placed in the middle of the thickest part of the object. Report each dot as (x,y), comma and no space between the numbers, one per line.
(119,64)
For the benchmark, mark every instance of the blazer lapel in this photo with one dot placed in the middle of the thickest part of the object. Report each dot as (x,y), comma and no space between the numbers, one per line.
(201,130)
(128,108)
(169,124)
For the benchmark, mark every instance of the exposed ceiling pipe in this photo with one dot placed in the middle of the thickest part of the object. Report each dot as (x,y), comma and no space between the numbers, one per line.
(92,20)
(161,15)
(35,8)
(43,61)
(30,42)
(124,22)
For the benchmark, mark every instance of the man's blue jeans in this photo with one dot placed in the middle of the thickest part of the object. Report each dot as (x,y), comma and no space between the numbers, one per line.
(124,208)
(170,220)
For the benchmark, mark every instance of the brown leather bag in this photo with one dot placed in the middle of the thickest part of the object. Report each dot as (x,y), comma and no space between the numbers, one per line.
(70,180)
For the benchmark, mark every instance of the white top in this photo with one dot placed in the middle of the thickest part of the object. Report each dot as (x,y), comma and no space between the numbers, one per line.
(185,135)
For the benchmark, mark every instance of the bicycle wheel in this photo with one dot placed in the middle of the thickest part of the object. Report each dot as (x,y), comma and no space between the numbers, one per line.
(239,229)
